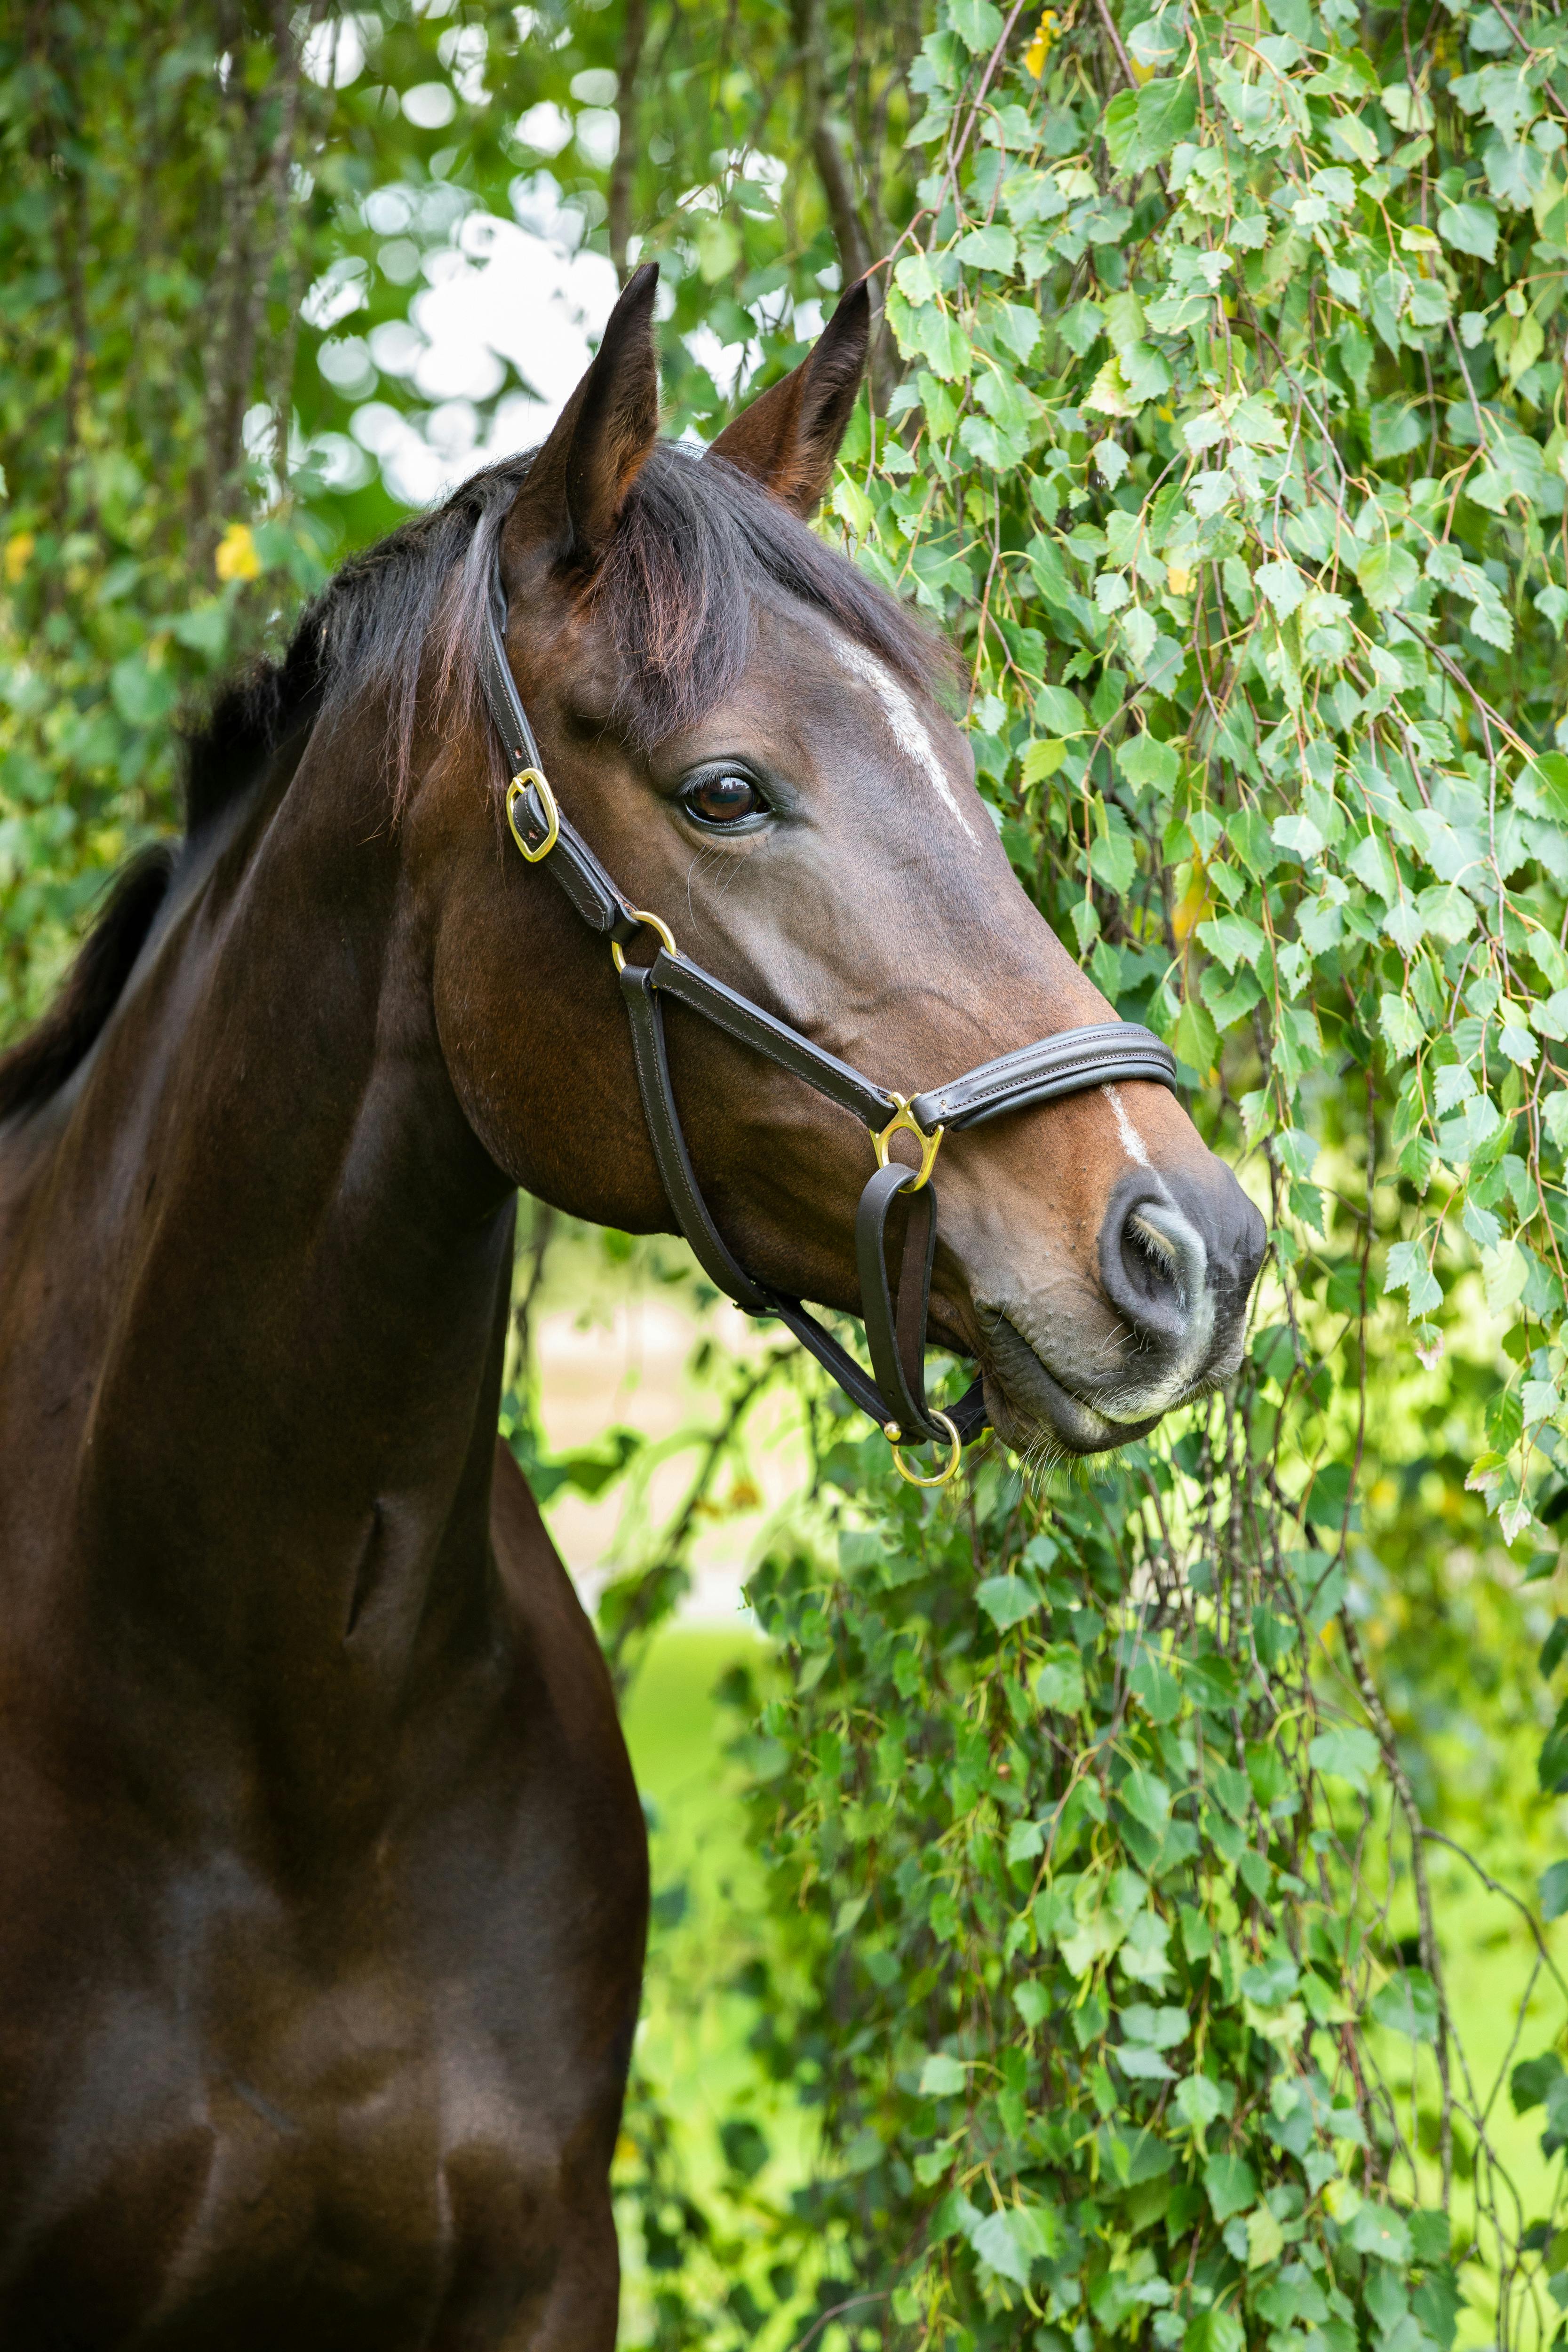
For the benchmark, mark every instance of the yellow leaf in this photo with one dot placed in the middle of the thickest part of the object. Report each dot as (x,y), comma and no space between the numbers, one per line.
(236,558)
(1178,578)
(18,554)
(1040,48)
(1196,906)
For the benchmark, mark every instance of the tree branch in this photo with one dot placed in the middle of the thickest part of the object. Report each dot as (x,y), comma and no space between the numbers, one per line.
(634,39)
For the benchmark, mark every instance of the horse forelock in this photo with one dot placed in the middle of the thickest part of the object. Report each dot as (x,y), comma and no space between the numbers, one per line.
(698,547)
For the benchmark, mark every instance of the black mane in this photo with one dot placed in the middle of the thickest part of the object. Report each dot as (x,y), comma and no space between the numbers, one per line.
(697,544)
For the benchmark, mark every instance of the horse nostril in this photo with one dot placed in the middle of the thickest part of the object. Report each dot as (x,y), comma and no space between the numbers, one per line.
(1151,1264)
(1154,1267)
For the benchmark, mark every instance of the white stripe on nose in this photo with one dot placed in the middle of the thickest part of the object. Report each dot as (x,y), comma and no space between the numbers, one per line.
(1132,1142)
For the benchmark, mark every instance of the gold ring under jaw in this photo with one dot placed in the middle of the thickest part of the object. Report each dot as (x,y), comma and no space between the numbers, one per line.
(954,1457)
(666,938)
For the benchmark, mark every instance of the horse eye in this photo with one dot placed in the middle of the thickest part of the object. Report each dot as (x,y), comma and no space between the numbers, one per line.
(723,800)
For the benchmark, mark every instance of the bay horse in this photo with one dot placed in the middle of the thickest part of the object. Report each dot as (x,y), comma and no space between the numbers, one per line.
(323,1876)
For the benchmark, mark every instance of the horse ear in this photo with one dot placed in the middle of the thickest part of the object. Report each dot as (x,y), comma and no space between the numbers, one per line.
(788,439)
(578,484)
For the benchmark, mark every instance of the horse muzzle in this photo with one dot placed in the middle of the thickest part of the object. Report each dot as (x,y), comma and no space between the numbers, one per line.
(1178,1255)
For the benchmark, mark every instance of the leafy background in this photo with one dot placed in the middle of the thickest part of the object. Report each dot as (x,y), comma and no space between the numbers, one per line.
(1123,1904)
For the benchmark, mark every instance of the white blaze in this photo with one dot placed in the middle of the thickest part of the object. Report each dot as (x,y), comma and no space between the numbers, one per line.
(908,727)
(1131,1141)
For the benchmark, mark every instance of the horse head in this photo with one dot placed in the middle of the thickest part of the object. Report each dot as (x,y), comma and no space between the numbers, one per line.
(753,739)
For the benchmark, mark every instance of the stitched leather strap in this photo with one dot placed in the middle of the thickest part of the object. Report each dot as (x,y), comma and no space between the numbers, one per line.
(500,692)
(1068,1064)
(739,1018)
(708,1244)
(896,1338)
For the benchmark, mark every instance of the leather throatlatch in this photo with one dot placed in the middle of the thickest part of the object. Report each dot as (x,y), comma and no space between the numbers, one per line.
(1069,1062)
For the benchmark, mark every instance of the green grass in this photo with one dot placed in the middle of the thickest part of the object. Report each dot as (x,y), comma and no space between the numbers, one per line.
(672,1730)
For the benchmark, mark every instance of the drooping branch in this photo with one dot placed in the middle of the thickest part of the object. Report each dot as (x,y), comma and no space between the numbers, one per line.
(820,137)
(634,40)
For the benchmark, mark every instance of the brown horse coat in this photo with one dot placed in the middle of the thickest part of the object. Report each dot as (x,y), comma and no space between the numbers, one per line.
(322,1878)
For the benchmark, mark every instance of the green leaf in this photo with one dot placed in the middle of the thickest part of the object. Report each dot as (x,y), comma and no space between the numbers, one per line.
(1408,2005)
(1012,2240)
(1378,2231)
(205,628)
(1470,228)
(1194,1040)
(1143,1953)
(942,2076)
(1283,585)
(990,247)
(1161,2029)
(1347,1752)
(977,24)
(1141,127)
(1007,1600)
(1199,2101)
(1143,759)
(851,504)
(1113,858)
(1532,2079)
(1146,1798)
(1386,574)
(1554,1890)
(1231,2185)
(1401,1024)
(1059,1685)
(1233,939)
(142,696)
(915,278)
(1058,712)
(1396,428)
(1265,2238)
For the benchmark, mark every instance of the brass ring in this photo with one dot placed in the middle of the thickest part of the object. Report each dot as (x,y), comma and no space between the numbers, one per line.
(654,925)
(955,1458)
(518,786)
(904,1118)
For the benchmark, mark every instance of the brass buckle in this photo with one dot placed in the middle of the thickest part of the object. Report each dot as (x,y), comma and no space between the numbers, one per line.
(520,784)
(654,925)
(904,1118)
(893,1432)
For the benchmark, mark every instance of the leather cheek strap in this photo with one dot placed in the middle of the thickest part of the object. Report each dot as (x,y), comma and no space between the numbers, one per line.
(674,1161)
(895,1334)
(708,1244)
(896,1337)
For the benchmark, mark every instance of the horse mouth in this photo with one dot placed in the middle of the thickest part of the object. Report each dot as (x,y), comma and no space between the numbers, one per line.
(1027,1403)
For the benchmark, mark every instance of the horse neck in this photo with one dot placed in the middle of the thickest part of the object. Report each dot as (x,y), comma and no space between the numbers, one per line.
(264,1273)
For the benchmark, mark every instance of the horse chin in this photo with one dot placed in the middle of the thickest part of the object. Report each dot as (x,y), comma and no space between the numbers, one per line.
(1032,1412)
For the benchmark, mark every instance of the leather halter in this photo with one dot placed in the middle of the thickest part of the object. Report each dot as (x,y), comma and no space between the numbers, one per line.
(1069,1062)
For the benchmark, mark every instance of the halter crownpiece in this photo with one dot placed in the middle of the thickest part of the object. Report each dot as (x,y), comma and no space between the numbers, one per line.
(1071,1062)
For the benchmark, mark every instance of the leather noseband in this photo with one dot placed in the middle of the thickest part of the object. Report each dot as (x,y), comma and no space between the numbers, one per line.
(1069,1062)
